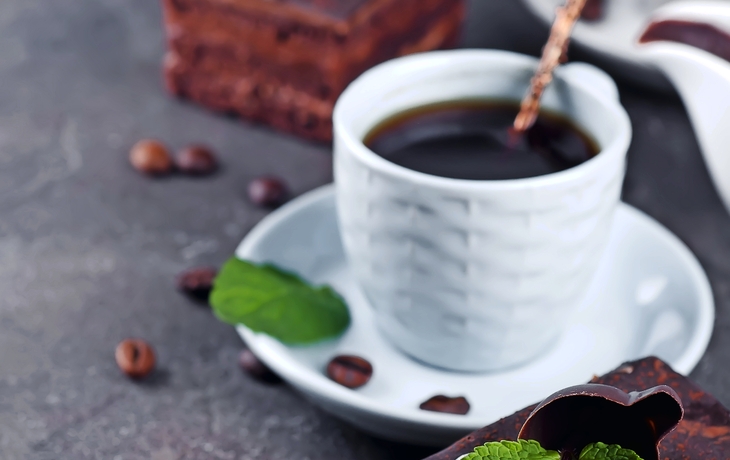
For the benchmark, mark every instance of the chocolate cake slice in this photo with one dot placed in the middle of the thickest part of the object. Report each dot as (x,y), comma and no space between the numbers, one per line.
(703,433)
(285,62)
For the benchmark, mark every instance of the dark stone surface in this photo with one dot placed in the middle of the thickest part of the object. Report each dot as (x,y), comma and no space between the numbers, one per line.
(89,249)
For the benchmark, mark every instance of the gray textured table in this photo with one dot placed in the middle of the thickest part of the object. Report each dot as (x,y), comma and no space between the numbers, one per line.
(89,249)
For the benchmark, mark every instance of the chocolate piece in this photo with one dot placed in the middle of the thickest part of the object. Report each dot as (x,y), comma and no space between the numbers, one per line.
(440,403)
(577,416)
(593,10)
(703,36)
(703,433)
(285,62)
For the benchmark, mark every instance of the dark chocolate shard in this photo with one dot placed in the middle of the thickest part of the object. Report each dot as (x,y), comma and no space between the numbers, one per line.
(457,405)
(574,417)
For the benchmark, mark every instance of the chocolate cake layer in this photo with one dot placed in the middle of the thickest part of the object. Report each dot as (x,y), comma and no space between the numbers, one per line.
(303,60)
(312,12)
(338,9)
(256,98)
(263,63)
(703,434)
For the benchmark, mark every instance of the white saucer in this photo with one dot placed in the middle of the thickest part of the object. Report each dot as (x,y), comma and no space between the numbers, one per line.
(650,297)
(613,36)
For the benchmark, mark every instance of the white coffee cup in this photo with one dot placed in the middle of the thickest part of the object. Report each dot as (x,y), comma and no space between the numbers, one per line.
(475,275)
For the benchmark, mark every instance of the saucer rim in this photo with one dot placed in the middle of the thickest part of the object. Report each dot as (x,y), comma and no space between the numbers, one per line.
(303,379)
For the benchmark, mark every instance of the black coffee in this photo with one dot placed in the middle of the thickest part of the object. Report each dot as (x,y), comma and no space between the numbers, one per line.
(473,140)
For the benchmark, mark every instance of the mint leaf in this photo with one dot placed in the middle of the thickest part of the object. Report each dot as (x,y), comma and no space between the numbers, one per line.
(267,299)
(601,451)
(512,450)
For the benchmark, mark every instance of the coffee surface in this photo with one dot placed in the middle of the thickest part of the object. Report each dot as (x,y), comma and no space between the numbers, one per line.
(474,140)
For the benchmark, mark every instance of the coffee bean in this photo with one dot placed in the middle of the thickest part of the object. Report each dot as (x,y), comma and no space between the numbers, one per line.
(441,403)
(255,368)
(197,282)
(196,160)
(150,157)
(267,191)
(135,357)
(349,371)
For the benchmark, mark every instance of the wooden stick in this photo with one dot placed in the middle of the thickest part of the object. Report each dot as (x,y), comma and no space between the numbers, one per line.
(565,19)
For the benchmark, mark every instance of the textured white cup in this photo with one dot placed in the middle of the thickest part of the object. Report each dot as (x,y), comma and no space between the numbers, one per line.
(474,275)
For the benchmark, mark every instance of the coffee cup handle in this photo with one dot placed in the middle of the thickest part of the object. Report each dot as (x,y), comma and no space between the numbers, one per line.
(591,78)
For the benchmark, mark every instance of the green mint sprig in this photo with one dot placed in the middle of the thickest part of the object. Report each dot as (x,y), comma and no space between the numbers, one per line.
(268,299)
(512,450)
(601,451)
(532,450)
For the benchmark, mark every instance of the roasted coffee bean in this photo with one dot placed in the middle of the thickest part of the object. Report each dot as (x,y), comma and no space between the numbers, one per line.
(441,403)
(350,371)
(197,282)
(150,157)
(196,160)
(135,357)
(255,368)
(267,191)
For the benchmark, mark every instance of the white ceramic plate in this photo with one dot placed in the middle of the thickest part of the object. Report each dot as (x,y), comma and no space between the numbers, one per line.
(613,36)
(650,297)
